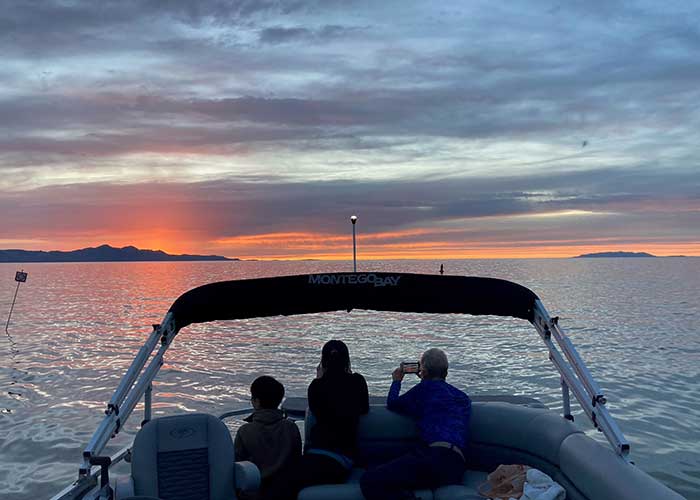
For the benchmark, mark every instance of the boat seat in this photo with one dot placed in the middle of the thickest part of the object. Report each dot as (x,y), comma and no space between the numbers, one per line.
(500,432)
(348,491)
(599,473)
(187,457)
(381,436)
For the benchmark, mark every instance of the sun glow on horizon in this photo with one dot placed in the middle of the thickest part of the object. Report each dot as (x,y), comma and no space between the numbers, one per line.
(415,243)
(398,245)
(433,253)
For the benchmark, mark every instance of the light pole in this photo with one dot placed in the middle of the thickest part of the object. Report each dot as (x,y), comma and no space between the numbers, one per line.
(353,219)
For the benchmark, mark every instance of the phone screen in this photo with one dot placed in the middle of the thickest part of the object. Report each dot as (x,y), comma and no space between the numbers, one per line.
(410,367)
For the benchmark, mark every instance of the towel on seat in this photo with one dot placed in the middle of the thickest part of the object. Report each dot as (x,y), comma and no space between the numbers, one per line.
(520,482)
(539,486)
(505,482)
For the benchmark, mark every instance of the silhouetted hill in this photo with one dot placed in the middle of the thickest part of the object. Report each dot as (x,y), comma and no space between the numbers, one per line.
(103,253)
(613,254)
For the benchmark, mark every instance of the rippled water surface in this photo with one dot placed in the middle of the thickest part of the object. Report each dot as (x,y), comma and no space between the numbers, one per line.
(76,328)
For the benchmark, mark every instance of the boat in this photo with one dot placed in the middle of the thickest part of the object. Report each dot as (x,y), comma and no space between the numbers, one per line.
(191,455)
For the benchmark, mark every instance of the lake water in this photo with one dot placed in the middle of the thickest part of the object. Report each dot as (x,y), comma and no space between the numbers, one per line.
(76,328)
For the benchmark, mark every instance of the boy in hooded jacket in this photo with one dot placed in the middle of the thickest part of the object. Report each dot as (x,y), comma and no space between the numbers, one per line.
(269,440)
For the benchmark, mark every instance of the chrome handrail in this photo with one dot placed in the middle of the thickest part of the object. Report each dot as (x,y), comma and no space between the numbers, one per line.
(577,378)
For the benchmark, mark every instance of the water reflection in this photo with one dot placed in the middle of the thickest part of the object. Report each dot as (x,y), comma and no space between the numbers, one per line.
(76,328)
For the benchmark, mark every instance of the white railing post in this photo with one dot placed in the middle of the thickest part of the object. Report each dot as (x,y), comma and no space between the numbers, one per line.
(576,377)
(127,394)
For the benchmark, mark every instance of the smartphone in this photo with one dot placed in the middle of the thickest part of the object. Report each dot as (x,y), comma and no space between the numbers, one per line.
(410,367)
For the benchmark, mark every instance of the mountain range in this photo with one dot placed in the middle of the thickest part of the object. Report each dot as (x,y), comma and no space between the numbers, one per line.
(103,253)
(614,254)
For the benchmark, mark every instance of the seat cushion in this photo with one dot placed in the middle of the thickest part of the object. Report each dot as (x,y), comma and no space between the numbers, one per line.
(468,490)
(351,490)
(535,431)
(383,435)
(348,491)
(500,432)
(600,474)
(183,457)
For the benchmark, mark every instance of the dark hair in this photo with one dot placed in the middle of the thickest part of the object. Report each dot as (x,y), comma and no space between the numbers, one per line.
(335,357)
(268,391)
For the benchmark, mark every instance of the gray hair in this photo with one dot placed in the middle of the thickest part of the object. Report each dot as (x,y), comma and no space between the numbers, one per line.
(434,361)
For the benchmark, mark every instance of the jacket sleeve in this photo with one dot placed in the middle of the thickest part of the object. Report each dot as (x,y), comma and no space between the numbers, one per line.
(296,444)
(407,404)
(239,447)
(314,398)
(363,394)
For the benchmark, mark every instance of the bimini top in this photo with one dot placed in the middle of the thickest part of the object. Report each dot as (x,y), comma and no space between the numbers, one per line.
(314,293)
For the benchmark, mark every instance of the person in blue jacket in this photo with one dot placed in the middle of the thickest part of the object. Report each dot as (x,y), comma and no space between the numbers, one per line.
(442,413)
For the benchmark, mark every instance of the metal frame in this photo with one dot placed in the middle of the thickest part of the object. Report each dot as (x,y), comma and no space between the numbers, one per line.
(138,383)
(127,395)
(579,380)
(85,483)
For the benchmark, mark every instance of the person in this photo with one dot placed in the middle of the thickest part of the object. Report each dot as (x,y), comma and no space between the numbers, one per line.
(269,440)
(442,413)
(337,397)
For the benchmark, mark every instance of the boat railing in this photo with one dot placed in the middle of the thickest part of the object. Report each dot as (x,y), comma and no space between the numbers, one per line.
(136,384)
(87,482)
(578,380)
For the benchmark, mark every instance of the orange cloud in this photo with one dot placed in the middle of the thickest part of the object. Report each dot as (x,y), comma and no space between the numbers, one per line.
(398,245)
(378,246)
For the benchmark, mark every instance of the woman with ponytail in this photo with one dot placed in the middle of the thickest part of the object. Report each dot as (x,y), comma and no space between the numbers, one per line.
(337,397)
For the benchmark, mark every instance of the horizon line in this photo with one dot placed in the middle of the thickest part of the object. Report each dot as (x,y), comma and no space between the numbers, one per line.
(397,254)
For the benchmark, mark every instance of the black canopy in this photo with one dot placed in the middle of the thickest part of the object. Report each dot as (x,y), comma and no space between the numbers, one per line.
(314,293)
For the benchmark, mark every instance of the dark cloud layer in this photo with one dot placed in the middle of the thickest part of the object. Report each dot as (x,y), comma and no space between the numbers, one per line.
(281,34)
(258,206)
(596,80)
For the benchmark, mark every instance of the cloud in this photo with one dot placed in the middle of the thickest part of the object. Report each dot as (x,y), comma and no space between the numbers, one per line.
(419,115)
(236,208)
(280,34)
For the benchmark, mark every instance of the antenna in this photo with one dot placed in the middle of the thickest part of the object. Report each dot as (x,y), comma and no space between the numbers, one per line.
(20,277)
(353,219)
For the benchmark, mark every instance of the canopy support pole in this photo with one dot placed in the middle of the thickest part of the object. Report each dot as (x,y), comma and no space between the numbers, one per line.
(148,403)
(126,397)
(566,398)
(136,366)
(579,380)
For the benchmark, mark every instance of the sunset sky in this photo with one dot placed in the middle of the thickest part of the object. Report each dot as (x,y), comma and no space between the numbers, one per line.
(254,129)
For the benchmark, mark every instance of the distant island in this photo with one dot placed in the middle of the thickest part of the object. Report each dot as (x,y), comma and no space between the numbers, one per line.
(103,253)
(613,254)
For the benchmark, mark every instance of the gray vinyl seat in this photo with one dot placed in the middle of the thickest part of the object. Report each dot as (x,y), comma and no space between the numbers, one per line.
(503,433)
(381,436)
(184,457)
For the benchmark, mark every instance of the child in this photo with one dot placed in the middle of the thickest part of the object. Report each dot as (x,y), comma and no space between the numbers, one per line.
(269,440)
